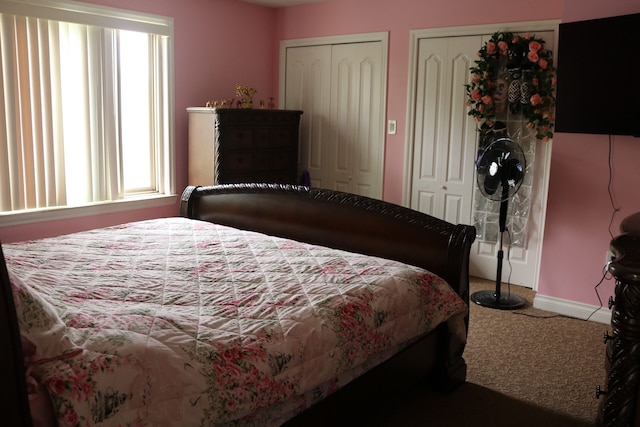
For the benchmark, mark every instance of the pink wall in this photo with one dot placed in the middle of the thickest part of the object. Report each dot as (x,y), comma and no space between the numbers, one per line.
(576,233)
(219,43)
(338,17)
(579,210)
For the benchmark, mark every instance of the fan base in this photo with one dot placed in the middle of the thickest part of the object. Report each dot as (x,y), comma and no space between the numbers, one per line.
(504,302)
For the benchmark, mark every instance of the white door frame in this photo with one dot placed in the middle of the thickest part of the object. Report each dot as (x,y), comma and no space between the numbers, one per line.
(545,154)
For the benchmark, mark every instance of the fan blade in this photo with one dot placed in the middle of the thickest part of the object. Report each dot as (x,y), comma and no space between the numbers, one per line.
(491,184)
(512,170)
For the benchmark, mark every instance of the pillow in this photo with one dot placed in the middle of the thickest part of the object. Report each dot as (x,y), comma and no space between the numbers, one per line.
(39,320)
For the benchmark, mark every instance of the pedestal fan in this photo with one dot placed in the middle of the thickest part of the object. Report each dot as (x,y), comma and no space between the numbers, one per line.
(500,171)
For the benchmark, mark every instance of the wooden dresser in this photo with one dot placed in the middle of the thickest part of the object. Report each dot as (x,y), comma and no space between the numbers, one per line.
(620,399)
(229,145)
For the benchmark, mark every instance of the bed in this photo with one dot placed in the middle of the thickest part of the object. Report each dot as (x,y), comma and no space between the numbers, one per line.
(257,305)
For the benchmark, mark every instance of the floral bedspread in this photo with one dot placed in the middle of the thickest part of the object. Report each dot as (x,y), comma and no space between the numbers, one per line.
(176,322)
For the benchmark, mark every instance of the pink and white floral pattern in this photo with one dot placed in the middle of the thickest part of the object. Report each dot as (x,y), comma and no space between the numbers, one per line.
(177,322)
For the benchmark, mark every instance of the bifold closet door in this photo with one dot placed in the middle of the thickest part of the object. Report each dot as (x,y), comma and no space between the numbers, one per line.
(340,88)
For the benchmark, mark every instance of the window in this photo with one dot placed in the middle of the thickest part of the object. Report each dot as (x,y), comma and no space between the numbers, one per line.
(86,104)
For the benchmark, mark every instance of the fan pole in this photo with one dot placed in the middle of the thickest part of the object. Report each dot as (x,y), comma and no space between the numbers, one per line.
(496,299)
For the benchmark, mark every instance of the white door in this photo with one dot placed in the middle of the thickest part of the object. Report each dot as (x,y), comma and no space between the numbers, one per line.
(308,82)
(340,89)
(444,136)
(355,154)
(437,123)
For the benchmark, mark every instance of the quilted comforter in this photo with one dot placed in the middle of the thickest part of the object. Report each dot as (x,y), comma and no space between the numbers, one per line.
(177,322)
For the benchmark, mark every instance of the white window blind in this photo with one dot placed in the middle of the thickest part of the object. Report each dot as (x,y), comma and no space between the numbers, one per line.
(85,103)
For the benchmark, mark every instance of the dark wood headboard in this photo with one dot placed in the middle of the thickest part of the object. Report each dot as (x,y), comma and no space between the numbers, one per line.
(340,220)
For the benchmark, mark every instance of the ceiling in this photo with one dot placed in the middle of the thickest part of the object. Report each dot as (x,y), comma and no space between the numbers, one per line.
(280,3)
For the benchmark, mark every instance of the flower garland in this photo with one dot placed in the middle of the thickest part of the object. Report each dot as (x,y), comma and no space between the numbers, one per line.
(514,72)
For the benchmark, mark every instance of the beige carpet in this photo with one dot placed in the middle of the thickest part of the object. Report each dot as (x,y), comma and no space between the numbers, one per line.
(535,356)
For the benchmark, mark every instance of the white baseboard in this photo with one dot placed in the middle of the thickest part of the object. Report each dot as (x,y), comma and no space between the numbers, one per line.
(572,309)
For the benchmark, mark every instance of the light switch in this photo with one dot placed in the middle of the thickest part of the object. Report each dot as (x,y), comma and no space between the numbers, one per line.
(392,127)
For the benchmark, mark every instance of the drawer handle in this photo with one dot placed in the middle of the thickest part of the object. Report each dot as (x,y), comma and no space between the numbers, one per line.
(608,337)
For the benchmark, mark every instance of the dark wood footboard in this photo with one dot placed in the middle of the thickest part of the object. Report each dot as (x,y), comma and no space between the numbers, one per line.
(358,224)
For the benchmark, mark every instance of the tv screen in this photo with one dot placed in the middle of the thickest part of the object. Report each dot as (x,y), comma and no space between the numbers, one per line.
(598,76)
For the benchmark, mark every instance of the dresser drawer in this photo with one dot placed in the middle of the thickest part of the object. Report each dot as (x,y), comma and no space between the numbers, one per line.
(257,160)
(237,138)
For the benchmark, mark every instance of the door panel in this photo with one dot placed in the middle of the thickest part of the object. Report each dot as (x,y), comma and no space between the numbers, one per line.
(444,139)
(342,137)
(441,178)
(308,85)
(521,262)
(356,111)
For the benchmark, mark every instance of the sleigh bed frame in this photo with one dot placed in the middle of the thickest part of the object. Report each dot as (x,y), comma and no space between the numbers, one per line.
(322,217)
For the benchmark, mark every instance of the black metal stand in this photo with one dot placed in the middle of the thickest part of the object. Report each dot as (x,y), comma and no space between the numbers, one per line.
(495,299)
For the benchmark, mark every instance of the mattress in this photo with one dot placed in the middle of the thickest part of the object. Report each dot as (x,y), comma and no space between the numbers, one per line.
(179,322)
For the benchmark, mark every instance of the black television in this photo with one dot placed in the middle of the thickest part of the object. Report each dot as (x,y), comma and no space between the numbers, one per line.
(598,76)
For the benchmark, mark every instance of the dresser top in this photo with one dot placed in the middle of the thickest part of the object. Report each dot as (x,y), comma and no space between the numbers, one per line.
(211,110)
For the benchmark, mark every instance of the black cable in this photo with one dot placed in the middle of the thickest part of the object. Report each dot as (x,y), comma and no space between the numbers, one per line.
(613,205)
(605,270)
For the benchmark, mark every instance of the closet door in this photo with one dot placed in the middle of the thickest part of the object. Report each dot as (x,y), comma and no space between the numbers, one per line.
(355,154)
(340,89)
(441,148)
(308,84)
(444,135)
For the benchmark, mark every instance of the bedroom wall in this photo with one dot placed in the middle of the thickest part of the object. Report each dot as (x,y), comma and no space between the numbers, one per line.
(217,44)
(579,209)
(577,225)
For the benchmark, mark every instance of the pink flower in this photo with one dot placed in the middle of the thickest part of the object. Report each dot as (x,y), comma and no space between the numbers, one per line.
(543,63)
(475,79)
(535,81)
(475,95)
(516,39)
(56,386)
(534,46)
(491,48)
(536,99)
(486,100)
(533,56)
(503,46)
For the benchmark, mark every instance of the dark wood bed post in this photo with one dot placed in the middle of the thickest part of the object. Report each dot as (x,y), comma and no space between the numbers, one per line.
(14,399)
(352,223)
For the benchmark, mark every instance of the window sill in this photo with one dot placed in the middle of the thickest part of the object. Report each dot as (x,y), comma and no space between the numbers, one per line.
(51,214)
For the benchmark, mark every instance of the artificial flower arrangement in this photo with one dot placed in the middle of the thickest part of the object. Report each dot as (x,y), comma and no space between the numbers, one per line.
(516,73)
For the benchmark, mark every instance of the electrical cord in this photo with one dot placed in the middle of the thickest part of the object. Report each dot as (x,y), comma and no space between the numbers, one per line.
(605,270)
(613,205)
(509,261)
